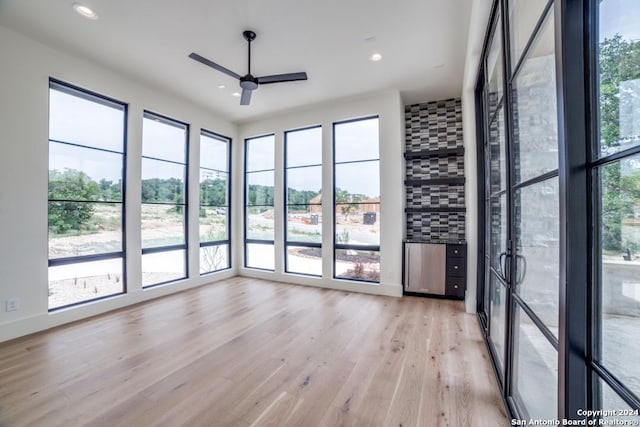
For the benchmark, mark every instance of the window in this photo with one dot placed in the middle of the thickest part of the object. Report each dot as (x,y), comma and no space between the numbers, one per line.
(356,200)
(87,143)
(259,207)
(215,166)
(615,169)
(164,199)
(303,192)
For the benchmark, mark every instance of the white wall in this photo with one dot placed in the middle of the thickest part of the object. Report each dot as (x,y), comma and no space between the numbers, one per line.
(25,69)
(477,28)
(390,109)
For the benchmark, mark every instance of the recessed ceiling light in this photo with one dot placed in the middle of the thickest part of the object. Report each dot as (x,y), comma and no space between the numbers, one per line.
(439,66)
(375,57)
(84,11)
(221,87)
(236,94)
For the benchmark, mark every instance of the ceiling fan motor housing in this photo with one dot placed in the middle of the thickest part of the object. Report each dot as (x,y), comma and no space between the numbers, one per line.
(249,82)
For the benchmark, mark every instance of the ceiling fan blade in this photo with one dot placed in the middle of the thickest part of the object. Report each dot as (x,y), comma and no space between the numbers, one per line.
(279,78)
(213,65)
(246,97)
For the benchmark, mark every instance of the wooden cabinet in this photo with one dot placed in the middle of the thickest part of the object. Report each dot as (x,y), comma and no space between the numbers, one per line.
(456,271)
(435,269)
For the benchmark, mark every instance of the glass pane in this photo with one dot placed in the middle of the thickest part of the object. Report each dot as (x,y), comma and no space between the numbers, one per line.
(304,185)
(616,408)
(214,187)
(77,229)
(357,182)
(358,265)
(213,224)
(161,140)
(498,318)
(356,140)
(260,154)
(535,114)
(304,147)
(260,188)
(495,70)
(77,173)
(162,182)
(537,274)
(85,120)
(619,87)
(163,267)
(259,256)
(620,269)
(162,225)
(534,357)
(303,260)
(85,281)
(524,15)
(214,258)
(260,223)
(497,153)
(214,152)
(304,223)
(358,224)
(498,232)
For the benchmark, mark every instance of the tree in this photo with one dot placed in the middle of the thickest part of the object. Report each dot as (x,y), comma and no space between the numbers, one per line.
(619,63)
(70,184)
(347,201)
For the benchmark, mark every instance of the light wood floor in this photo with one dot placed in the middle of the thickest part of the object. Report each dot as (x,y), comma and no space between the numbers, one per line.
(247,352)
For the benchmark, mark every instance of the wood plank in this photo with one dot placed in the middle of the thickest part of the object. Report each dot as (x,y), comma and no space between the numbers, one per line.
(247,352)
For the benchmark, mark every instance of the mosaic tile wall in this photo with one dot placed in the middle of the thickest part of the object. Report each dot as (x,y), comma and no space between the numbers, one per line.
(435,126)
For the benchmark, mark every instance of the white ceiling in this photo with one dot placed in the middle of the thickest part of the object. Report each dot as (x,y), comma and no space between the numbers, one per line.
(422,42)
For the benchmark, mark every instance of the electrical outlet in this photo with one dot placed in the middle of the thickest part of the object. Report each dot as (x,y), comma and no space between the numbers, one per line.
(13,304)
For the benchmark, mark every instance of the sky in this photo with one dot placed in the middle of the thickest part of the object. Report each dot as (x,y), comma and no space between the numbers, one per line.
(620,17)
(80,121)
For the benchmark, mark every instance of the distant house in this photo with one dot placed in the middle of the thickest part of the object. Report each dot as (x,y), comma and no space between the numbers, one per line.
(368,205)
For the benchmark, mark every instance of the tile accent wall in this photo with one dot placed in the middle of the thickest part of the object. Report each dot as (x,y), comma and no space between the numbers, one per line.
(435,126)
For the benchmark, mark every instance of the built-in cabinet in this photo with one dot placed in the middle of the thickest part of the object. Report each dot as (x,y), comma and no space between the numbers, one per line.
(434,252)
(435,269)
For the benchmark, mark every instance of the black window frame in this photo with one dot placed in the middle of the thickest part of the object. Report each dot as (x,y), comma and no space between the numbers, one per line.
(227,241)
(595,162)
(184,246)
(89,95)
(286,203)
(246,205)
(341,246)
(577,64)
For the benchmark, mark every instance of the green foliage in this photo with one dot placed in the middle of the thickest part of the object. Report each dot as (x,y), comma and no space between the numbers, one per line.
(213,192)
(260,195)
(159,190)
(619,62)
(296,197)
(348,202)
(110,191)
(71,184)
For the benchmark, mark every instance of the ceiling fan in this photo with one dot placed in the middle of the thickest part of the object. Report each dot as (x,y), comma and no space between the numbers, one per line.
(249,83)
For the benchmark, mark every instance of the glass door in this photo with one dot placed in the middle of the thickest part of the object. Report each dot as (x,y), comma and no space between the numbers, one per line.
(521,202)
(535,209)
(496,200)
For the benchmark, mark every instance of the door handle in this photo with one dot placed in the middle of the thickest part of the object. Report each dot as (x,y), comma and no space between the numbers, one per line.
(520,272)
(503,267)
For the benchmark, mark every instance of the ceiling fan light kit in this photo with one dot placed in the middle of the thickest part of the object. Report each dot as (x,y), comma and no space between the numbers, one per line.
(248,82)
